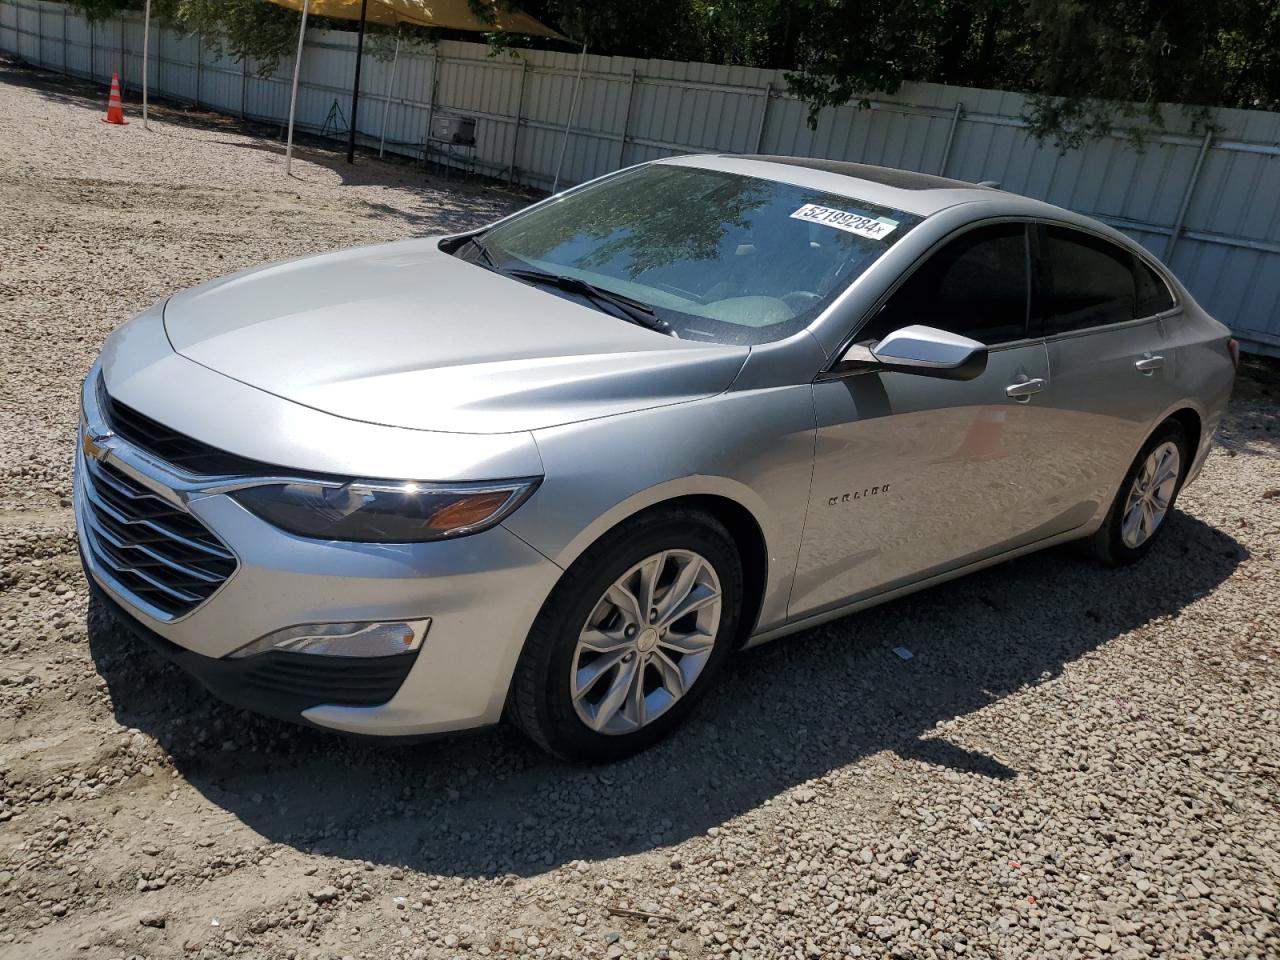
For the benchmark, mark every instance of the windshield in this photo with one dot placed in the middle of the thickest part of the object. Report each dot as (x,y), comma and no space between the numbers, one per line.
(717,256)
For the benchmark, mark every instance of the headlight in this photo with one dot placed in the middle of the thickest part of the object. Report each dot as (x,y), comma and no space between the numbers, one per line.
(378,512)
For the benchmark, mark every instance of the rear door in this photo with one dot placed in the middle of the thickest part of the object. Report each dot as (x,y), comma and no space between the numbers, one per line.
(1104,313)
(914,476)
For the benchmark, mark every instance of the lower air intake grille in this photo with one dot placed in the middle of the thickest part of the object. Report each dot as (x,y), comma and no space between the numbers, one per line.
(308,679)
(158,552)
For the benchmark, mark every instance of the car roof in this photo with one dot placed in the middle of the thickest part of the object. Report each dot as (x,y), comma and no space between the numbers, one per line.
(919,193)
(887,176)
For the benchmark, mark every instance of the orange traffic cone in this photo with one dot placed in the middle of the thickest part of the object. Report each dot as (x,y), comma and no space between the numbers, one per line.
(115,108)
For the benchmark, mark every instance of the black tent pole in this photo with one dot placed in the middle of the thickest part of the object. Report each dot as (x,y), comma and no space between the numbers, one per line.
(355,90)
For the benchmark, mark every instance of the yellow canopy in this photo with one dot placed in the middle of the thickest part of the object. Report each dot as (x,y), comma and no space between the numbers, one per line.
(447,14)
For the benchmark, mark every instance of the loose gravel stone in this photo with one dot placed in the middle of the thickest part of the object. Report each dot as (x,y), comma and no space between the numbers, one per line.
(1075,762)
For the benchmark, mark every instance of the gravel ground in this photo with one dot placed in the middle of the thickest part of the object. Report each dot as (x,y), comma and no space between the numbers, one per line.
(1077,762)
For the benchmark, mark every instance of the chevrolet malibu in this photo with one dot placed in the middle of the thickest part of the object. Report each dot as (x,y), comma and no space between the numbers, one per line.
(558,469)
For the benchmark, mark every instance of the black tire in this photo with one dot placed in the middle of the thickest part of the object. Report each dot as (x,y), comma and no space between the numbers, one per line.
(1107,545)
(540,701)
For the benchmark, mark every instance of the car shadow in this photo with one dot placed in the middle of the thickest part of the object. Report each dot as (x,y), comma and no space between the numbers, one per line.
(490,803)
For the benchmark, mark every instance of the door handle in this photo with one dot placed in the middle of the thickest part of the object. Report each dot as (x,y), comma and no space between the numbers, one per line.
(1022,391)
(1149,364)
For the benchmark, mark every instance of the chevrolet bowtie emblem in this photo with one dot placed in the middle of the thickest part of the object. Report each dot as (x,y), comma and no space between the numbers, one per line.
(92,446)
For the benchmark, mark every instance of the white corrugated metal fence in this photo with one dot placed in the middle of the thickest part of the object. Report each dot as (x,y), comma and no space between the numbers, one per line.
(1210,207)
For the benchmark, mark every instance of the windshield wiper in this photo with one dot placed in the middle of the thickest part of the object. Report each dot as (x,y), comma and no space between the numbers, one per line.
(630,310)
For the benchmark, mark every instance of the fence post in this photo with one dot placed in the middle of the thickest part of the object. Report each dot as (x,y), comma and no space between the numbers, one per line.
(244,84)
(64,39)
(124,58)
(568,124)
(515,133)
(293,89)
(431,104)
(1186,196)
(93,54)
(951,135)
(626,121)
(764,115)
(199,65)
(146,64)
(386,101)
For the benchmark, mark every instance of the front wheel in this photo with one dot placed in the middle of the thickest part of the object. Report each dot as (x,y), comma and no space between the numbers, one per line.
(630,638)
(1145,497)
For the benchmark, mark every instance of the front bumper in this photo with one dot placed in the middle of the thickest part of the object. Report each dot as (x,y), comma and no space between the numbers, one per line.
(278,685)
(481,593)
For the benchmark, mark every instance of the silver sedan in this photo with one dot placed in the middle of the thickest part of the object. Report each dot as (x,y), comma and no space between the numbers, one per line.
(558,469)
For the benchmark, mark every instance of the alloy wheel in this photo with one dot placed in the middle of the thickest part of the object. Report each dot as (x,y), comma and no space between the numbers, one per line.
(646,642)
(1151,494)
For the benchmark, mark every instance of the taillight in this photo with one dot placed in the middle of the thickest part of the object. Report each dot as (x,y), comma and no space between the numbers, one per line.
(1233,351)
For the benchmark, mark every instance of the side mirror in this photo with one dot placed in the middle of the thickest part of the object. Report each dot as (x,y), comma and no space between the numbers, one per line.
(920,350)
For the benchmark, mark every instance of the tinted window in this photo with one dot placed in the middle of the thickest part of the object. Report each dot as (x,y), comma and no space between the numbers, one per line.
(976,286)
(719,256)
(1092,282)
(1153,293)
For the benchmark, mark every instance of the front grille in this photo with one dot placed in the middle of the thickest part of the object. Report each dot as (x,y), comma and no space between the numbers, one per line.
(156,551)
(170,446)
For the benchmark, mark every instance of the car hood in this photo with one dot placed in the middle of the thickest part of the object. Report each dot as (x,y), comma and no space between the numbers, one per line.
(405,335)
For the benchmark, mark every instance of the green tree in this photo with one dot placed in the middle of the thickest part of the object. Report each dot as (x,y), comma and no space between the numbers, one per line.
(242,29)
(882,43)
(1086,65)
(1103,61)
(261,31)
(658,28)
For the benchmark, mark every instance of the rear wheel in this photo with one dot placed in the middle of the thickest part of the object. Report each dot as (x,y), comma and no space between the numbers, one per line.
(1145,498)
(630,638)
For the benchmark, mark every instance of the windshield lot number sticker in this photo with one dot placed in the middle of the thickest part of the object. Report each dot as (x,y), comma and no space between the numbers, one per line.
(873,228)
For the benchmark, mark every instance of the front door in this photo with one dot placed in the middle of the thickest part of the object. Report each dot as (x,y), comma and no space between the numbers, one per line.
(914,475)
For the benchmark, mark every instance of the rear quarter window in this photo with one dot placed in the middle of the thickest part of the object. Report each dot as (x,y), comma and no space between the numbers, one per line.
(1092,282)
(1153,294)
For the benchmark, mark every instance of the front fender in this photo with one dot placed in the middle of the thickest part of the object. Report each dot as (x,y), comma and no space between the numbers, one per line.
(754,447)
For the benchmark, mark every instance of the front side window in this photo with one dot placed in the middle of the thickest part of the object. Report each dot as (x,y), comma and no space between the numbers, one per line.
(1093,282)
(717,256)
(976,286)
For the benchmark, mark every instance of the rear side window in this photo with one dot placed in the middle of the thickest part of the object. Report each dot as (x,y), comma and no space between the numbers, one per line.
(1153,293)
(1094,283)
(975,286)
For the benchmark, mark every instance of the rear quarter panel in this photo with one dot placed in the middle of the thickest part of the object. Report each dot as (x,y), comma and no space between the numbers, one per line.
(1202,374)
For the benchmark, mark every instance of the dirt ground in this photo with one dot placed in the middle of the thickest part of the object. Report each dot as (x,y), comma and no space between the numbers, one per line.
(1077,762)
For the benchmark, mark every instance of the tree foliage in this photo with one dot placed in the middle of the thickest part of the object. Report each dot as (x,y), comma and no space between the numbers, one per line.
(241,28)
(251,29)
(1103,60)
(1087,66)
